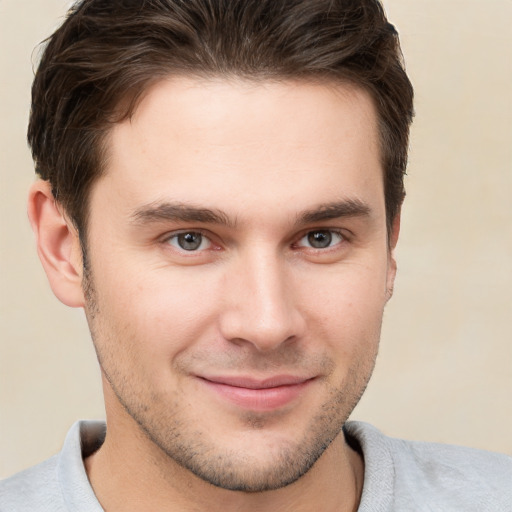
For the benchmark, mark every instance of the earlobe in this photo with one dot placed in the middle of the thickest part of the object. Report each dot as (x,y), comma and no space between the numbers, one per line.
(393,240)
(58,244)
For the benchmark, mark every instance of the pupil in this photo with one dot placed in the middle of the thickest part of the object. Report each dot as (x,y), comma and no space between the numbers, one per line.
(320,239)
(189,241)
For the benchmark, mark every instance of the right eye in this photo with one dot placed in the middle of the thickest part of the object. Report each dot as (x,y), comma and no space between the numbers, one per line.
(190,241)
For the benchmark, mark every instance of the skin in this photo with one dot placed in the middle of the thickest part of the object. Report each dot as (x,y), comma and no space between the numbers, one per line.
(256,172)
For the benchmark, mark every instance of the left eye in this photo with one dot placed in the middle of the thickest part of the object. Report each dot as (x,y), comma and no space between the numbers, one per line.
(189,241)
(320,239)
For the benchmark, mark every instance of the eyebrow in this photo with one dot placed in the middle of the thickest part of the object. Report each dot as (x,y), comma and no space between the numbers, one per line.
(335,210)
(179,212)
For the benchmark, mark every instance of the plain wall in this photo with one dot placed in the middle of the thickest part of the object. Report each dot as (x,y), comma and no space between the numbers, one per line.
(444,372)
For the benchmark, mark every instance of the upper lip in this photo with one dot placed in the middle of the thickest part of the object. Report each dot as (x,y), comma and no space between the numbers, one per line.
(254,383)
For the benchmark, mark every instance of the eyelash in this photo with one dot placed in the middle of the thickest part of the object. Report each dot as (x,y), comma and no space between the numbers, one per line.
(205,236)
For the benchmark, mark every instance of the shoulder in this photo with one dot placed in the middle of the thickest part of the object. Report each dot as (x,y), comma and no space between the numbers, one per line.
(60,483)
(34,489)
(430,476)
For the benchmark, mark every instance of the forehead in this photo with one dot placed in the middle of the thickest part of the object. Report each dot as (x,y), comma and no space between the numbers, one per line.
(239,142)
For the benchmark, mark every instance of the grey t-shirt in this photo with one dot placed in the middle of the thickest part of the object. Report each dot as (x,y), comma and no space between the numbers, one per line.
(400,476)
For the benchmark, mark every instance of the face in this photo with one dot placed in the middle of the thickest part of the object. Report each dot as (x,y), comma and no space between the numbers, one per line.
(238,271)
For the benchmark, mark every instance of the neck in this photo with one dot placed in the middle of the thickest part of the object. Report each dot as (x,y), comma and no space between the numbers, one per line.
(129,473)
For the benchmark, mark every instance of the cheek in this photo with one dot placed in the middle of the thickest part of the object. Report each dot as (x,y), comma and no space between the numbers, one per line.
(347,312)
(154,313)
(349,295)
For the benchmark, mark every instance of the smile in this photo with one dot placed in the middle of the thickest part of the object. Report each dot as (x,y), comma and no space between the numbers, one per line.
(258,395)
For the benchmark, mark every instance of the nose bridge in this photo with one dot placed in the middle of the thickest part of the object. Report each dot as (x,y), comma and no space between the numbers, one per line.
(262,309)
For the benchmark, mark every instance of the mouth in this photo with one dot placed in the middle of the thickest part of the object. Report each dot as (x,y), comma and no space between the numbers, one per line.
(258,394)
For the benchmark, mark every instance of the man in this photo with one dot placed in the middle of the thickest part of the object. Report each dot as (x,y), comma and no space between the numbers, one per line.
(220,190)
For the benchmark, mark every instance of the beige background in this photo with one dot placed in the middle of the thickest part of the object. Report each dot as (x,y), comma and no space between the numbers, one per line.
(445,368)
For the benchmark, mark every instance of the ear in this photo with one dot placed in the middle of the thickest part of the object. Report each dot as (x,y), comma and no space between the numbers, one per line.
(58,244)
(393,239)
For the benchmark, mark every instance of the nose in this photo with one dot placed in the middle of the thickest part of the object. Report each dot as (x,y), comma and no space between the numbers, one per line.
(260,305)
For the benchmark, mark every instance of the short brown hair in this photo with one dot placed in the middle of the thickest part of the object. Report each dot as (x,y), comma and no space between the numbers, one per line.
(107,53)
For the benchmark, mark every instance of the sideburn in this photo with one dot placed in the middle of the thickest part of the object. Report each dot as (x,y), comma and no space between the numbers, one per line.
(91,304)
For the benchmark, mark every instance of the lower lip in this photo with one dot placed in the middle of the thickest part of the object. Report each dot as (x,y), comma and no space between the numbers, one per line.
(266,399)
